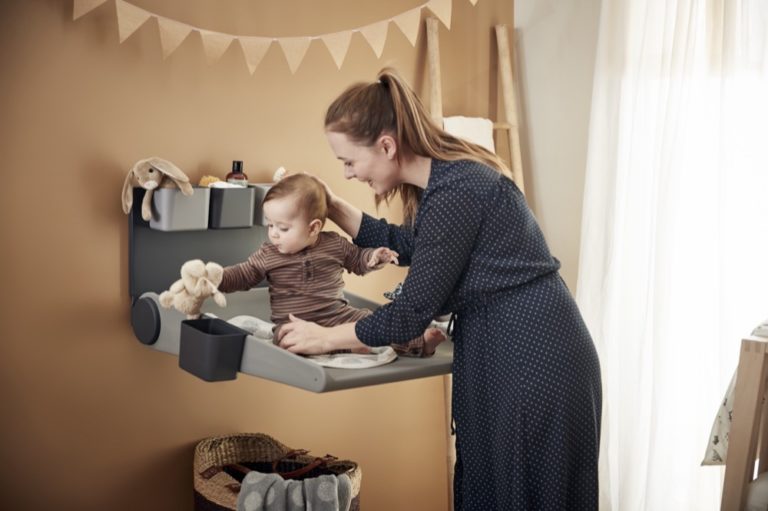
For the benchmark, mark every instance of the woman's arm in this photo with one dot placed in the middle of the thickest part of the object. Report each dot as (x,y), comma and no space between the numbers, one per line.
(309,338)
(345,215)
(367,232)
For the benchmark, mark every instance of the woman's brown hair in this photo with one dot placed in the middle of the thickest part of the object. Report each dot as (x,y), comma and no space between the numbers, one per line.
(365,111)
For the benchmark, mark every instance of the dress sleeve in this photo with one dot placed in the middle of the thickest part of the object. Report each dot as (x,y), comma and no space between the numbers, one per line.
(378,233)
(244,276)
(355,258)
(444,240)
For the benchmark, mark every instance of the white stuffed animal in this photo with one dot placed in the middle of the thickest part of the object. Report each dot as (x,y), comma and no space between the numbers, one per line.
(198,281)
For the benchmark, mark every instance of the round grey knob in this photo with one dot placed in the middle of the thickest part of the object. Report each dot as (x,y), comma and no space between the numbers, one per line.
(145,319)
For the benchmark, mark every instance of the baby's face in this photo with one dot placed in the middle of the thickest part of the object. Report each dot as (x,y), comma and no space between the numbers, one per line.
(288,228)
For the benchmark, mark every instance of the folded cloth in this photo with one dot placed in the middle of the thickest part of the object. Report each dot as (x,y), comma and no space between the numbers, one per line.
(270,492)
(717,446)
(345,492)
(472,129)
(294,495)
(377,357)
(257,327)
(262,330)
(322,493)
(262,492)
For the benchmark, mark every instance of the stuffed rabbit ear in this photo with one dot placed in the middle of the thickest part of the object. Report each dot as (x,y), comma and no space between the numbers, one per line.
(128,193)
(173,172)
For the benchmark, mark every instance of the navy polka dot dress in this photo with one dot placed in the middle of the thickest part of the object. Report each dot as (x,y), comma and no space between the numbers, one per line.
(526,390)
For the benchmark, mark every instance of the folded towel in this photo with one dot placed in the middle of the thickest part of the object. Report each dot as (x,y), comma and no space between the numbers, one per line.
(472,129)
(257,327)
(270,492)
(262,330)
(377,357)
(261,492)
(345,492)
(322,493)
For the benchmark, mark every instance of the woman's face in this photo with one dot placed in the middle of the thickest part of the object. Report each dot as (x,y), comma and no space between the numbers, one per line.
(375,165)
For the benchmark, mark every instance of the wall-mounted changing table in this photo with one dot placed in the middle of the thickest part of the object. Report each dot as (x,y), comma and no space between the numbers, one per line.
(154,262)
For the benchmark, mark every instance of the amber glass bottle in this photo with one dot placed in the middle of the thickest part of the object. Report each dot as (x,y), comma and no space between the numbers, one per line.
(237,176)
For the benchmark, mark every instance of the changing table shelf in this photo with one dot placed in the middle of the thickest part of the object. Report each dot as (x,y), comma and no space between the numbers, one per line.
(271,362)
(154,260)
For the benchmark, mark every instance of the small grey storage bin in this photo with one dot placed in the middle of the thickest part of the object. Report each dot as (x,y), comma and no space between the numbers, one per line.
(211,348)
(174,211)
(231,207)
(260,190)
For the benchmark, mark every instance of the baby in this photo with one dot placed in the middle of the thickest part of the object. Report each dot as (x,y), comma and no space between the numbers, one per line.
(304,264)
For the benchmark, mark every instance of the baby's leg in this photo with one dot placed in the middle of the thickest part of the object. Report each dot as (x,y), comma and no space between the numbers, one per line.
(422,346)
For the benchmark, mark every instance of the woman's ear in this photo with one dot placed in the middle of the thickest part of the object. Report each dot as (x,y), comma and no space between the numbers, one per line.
(315,226)
(388,145)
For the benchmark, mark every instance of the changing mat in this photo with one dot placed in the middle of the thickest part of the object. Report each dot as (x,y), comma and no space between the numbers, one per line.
(262,330)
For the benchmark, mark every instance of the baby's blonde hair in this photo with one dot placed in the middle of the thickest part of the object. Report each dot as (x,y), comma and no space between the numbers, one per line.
(311,199)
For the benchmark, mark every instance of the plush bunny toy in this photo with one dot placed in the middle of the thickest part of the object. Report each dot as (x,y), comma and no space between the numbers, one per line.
(198,281)
(149,174)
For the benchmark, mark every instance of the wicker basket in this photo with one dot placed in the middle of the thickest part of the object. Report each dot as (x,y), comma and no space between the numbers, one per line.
(219,462)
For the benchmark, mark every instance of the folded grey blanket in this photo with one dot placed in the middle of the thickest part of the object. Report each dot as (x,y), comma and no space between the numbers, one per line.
(270,492)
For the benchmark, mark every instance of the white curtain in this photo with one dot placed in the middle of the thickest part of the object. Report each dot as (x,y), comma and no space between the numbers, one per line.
(674,253)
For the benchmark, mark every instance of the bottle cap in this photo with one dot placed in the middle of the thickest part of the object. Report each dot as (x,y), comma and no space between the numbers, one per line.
(237,166)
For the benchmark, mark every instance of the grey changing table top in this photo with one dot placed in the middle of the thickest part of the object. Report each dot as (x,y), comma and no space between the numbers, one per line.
(154,261)
(274,363)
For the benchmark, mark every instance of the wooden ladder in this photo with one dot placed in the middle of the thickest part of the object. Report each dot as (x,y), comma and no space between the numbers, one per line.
(508,87)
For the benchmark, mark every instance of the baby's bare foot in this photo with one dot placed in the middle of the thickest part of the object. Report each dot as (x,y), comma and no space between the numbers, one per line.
(432,338)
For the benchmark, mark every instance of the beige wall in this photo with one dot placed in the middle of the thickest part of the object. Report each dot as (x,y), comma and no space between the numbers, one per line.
(556,41)
(93,420)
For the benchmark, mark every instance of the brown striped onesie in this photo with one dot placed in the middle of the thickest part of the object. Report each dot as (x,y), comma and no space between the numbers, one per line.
(309,284)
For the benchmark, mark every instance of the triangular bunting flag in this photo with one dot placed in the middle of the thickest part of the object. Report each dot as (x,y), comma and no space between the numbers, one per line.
(172,34)
(129,18)
(473,2)
(338,45)
(85,6)
(254,49)
(409,23)
(294,48)
(376,35)
(442,9)
(215,44)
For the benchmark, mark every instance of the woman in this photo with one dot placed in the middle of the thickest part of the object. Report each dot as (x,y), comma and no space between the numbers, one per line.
(526,390)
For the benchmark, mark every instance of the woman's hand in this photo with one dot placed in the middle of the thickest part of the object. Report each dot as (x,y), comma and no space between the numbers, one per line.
(330,196)
(381,257)
(309,338)
(304,337)
(341,212)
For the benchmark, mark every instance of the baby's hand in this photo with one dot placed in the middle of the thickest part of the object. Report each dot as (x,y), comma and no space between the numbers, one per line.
(382,256)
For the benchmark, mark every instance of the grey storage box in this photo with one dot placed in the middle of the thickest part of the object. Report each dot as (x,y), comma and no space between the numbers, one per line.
(231,207)
(174,211)
(211,348)
(260,190)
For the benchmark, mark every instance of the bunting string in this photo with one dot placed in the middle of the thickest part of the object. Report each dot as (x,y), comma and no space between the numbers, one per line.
(173,33)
